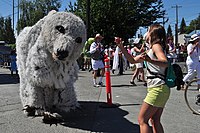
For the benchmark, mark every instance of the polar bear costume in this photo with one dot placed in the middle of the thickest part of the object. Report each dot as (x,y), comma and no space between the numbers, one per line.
(46,58)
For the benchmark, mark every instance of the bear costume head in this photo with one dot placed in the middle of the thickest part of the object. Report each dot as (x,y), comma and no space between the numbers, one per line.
(58,37)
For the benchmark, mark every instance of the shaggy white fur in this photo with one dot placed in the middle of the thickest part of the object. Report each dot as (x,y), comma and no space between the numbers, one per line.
(46,58)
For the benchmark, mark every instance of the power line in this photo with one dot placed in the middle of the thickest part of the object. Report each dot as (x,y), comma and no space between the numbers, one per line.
(176,25)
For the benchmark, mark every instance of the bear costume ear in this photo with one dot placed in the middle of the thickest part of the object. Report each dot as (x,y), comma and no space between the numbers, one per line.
(52,12)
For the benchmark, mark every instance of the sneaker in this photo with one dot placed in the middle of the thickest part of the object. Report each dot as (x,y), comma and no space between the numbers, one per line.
(133,83)
(100,84)
(96,85)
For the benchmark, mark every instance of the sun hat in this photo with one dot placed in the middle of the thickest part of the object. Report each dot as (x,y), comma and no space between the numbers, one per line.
(194,37)
(98,36)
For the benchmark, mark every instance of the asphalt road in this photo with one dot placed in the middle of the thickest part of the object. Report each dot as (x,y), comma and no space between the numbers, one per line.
(92,117)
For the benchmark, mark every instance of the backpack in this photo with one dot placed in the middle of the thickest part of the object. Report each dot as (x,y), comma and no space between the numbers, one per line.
(174,76)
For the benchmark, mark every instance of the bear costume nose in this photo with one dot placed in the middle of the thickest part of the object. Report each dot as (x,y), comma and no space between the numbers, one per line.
(62,54)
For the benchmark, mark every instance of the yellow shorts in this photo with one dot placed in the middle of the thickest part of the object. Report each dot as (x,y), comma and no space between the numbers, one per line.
(157,96)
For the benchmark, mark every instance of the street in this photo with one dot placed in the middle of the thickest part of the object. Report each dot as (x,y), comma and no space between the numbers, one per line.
(91,117)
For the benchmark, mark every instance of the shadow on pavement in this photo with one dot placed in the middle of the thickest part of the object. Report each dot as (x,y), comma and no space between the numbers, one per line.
(9,79)
(117,75)
(95,119)
(131,104)
(122,85)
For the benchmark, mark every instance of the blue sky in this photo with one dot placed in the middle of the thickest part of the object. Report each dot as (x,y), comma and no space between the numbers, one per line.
(190,9)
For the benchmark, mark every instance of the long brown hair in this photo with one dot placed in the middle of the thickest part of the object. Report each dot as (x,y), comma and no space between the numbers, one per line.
(157,34)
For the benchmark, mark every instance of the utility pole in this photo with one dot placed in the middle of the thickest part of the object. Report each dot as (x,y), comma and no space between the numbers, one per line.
(88,18)
(13,15)
(18,16)
(176,25)
(165,19)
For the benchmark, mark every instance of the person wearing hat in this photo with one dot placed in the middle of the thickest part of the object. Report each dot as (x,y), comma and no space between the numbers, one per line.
(171,50)
(96,51)
(193,59)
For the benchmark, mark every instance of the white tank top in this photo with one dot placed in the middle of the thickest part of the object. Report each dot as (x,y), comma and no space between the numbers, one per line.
(154,82)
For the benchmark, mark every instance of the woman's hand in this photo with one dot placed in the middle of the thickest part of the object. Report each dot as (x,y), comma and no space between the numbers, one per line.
(145,57)
(119,42)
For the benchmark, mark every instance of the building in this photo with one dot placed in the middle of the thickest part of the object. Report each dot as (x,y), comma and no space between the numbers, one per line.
(181,39)
(4,54)
(2,43)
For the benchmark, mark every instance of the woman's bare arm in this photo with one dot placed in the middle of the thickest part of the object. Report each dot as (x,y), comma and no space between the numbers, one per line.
(161,58)
(129,57)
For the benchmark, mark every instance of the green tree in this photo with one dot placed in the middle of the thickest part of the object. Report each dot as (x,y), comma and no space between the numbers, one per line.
(118,17)
(194,25)
(182,26)
(169,31)
(32,11)
(9,36)
(6,31)
(2,29)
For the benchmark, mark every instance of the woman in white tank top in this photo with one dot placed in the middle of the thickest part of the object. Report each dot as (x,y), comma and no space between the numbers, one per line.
(158,91)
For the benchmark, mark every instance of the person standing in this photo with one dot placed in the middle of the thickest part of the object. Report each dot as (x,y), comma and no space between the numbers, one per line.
(121,63)
(129,51)
(97,56)
(139,71)
(13,59)
(158,92)
(171,50)
(193,59)
(115,59)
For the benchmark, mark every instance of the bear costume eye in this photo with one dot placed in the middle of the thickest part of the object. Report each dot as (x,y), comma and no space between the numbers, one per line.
(78,40)
(61,29)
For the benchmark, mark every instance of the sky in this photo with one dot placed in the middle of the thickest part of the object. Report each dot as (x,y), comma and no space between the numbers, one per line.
(189,10)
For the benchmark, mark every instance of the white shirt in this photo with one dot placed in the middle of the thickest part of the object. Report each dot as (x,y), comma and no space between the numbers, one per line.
(194,57)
